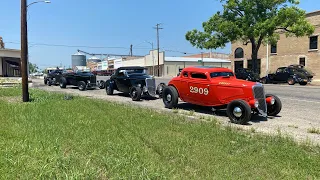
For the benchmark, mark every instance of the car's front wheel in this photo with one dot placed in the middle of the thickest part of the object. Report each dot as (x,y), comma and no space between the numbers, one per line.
(135,93)
(239,112)
(49,82)
(170,97)
(275,108)
(82,86)
(109,89)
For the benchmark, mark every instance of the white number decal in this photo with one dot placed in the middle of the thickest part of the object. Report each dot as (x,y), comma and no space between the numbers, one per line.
(196,90)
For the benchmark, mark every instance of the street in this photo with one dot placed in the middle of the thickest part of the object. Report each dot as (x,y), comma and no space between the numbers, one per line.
(300,108)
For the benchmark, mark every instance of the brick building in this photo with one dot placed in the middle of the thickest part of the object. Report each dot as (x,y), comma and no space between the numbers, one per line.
(287,51)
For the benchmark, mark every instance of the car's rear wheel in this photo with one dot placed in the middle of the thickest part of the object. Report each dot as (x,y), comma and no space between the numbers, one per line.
(63,83)
(239,112)
(291,81)
(135,93)
(102,84)
(170,97)
(82,86)
(275,108)
(49,82)
(160,89)
(263,80)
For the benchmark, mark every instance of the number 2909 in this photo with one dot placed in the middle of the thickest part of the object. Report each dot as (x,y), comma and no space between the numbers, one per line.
(197,90)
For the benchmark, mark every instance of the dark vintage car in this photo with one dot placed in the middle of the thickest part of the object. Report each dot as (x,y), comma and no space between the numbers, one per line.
(247,74)
(132,80)
(82,79)
(290,75)
(53,77)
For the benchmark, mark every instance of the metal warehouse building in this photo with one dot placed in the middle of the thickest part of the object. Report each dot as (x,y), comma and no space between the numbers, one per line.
(169,66)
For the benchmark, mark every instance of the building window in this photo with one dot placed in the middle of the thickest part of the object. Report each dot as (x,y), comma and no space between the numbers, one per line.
(198,76)
(238,53)
(313,42)
(274,49)
(302,61)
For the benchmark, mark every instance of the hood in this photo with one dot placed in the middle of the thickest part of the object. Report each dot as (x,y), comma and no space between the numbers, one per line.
(232,82)
(300,75)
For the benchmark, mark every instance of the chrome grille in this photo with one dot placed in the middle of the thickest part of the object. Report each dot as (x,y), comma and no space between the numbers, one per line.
(93,79)
(258,92)
(151,86)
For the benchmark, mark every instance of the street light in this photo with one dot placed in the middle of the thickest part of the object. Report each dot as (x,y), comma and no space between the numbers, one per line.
(38,2)
(152,57)
(24,48)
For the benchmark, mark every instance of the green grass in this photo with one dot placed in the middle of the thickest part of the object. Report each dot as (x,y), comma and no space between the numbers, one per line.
(53,138)
(314,130)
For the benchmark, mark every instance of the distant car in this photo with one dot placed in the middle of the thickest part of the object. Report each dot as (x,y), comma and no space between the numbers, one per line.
(132,80)
(247,74)
(82,79)
(290,75)
(53,77)
(220,89)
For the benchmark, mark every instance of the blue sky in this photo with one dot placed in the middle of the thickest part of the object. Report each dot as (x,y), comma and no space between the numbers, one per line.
(107,23)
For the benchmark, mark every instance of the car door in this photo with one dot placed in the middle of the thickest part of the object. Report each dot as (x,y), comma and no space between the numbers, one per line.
(184,90)
(198,88)
(122,81)
(279,76)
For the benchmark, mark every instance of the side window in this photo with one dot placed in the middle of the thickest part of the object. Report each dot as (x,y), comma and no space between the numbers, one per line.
(280,70)
(185,74)
(198,76)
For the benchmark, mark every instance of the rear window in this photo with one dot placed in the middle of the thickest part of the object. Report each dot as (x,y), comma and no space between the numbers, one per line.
(220,74)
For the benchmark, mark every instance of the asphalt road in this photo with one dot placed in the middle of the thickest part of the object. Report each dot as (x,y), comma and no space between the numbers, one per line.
(300,108)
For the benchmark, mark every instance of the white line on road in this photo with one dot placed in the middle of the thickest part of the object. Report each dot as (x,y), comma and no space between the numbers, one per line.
(292,99)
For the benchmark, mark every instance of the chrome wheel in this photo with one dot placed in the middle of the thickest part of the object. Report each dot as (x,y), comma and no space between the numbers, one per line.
(169,98)
(237,112)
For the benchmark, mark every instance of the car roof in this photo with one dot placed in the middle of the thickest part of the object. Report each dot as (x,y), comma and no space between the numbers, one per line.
(131,67)
(205,69)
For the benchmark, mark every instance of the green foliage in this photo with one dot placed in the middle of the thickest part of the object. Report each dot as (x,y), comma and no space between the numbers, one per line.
(33,68)
(251,21)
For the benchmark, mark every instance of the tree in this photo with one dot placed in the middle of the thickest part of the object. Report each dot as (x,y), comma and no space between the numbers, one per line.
(33,68)
(251,21)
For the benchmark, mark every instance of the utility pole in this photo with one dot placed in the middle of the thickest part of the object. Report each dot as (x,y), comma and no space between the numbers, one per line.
(24,51)
(157,27)
(131,50)
(202,58)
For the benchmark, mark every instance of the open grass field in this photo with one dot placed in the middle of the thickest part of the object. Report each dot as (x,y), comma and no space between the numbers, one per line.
(53,138)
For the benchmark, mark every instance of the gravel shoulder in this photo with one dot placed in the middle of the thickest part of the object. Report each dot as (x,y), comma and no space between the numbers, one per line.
(296,118)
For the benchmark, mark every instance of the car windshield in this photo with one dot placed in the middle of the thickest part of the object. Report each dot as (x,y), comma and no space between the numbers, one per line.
(135,71)
(247,70)
(221,74)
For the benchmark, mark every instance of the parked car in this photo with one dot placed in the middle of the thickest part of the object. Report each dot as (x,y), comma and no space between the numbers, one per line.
(133,80)
(290,75)
(82,79)
(53,77)
(247,74)
(220,89)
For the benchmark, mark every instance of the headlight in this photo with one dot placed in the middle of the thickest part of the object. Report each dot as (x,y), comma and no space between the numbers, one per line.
(256,103)
(272,100)
(145,89)
(88,81)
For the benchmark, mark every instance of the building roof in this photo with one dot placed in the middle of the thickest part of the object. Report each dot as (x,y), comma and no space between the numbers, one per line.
(78,54)
(185,59)
(313,13)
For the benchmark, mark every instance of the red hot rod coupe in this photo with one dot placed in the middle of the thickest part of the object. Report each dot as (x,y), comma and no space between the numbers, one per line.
(219,88)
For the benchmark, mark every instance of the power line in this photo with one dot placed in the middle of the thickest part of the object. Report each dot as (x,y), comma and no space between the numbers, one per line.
(75,46)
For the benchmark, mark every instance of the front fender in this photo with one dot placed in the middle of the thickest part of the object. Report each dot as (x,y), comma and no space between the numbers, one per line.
(111,83)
